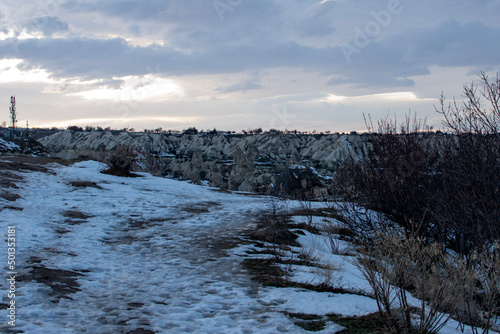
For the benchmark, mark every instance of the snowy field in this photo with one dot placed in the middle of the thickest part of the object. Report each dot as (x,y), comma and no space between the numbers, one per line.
(102,254)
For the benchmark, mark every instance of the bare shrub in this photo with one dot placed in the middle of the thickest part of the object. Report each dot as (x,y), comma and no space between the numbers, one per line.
(375,270)
(330,274)
(487,270)
(480,306)
(362,222)
(396,264)
(149,162)
(333,243)
(468,202)
(307,208)
(334,231)
(273,226)
(397,178)
(449,182)
(121,161)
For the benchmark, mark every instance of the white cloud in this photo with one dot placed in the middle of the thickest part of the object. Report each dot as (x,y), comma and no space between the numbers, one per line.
(11,73)
(120,121)
(388,97)
(136,88)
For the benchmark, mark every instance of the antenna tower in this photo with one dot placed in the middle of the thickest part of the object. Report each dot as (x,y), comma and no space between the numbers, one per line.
(13,113)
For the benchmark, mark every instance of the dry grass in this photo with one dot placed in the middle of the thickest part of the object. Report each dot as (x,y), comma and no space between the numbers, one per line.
(397,264)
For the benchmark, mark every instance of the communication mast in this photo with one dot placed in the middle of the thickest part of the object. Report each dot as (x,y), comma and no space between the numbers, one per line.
(13,114)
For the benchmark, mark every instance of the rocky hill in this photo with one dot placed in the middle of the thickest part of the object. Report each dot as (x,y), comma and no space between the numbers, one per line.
(24,145)
(265,163)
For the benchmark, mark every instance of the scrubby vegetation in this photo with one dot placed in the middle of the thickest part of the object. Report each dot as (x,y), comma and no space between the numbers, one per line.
(423,211)
(120,162)
(426,211)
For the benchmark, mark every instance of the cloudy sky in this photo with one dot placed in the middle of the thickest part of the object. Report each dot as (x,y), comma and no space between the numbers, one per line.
(240,64)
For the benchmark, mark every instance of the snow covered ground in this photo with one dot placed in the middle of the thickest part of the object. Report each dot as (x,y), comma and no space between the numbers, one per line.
(102,254)
(6,145)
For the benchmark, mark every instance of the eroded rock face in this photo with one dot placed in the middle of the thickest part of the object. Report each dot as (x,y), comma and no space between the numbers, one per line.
(257,163)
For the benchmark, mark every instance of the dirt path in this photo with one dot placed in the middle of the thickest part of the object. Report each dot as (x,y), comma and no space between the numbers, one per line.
(101,254)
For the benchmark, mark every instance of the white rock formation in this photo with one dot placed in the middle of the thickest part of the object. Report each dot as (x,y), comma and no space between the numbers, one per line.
(236,162)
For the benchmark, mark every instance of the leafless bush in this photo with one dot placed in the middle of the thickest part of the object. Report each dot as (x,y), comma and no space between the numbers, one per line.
(333,232)
(149,162)
(273,227)
(277,223)
(396,178)
(330,274)
(307,208)
(362,222)
(480,307)
(120,161)
(332,242)
(471,117)
(445,284)
(449,182)
(468,202)
(397,264)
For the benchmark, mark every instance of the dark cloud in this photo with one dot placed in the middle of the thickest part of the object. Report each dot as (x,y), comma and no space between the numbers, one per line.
(128,9)
(450,43)
(391,60)
(99,58)
(255,35)
(135,30)
(48,25)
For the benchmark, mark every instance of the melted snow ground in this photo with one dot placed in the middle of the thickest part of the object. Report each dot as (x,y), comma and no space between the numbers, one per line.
(153,254)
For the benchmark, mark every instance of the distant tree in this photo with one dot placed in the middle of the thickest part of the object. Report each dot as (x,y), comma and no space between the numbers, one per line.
(75,128)
(190,131)
(255,131)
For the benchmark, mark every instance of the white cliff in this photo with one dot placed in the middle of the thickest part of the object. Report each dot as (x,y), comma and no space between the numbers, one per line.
(235,162)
